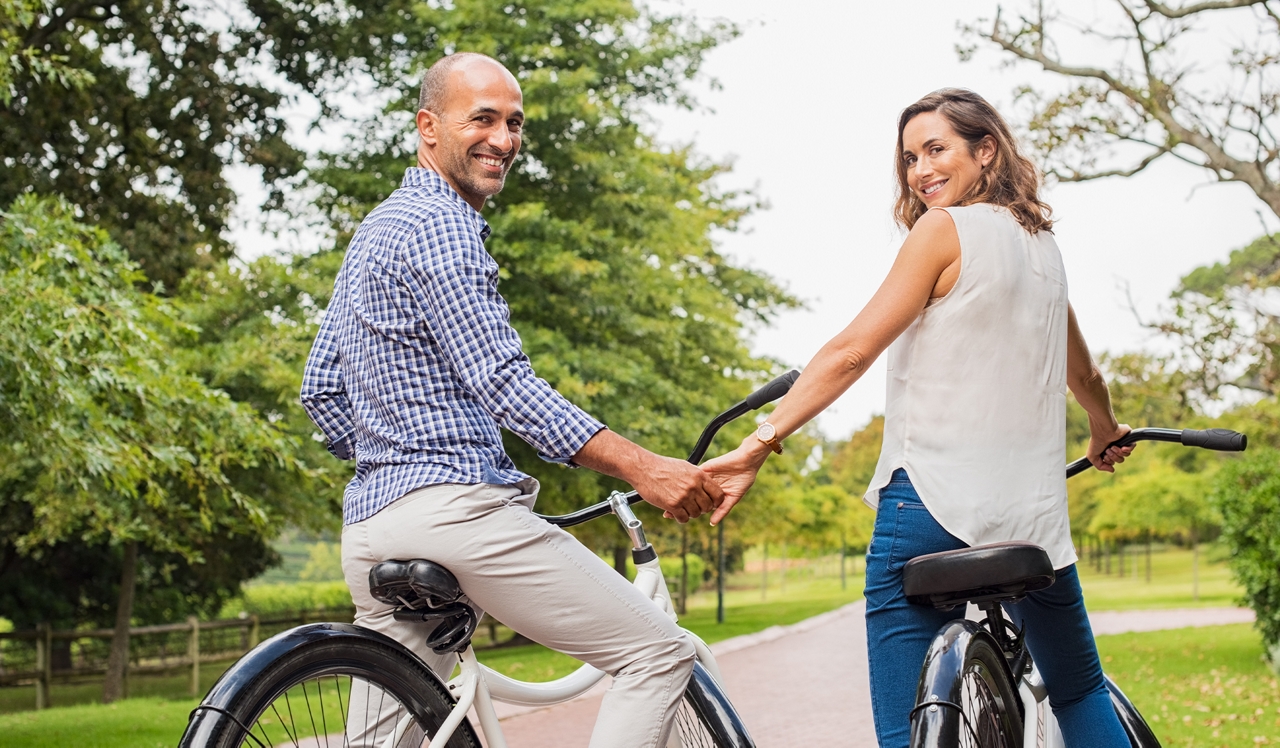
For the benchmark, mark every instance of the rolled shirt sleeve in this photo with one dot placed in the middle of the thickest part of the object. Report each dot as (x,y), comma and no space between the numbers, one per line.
(455,282)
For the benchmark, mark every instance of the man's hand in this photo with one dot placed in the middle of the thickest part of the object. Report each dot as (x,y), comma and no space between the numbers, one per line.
(679,489)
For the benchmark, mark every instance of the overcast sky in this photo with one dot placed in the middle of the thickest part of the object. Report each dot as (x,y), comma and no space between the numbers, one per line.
(808,109)
(809,98)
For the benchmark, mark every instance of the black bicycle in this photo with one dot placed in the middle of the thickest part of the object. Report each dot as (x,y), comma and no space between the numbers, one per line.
(967,696)
(339,684)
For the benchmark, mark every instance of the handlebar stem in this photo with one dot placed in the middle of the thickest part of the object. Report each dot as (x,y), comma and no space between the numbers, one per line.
(620,503)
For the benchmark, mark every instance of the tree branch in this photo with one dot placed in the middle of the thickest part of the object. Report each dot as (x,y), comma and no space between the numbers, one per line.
(1168,12)
(1076,176)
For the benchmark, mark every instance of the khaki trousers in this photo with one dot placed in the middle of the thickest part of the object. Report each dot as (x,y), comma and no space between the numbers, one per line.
(540,581)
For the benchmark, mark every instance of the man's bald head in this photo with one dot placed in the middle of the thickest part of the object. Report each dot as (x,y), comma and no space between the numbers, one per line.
(435,82)
(470,121)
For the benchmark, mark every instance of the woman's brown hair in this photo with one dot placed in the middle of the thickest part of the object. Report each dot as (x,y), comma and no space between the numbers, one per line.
(1010,180)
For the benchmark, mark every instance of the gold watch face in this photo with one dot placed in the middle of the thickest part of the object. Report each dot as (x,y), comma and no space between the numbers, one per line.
(766,432)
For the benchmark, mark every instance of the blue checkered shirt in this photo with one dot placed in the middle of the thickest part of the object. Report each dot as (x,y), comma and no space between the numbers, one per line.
(416,364)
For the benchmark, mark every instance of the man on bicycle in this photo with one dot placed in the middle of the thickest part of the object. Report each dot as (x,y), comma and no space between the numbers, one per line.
(415,368)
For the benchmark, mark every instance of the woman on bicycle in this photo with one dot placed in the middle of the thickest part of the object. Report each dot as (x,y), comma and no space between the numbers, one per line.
(982,347)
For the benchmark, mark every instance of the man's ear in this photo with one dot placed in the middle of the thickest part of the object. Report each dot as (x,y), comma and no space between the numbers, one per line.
(428,126)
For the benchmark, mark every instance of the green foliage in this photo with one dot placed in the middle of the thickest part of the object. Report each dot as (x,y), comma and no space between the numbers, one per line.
(283,599)
(853,465)
(17,59)
(176,96)
(324,563)
(1248,497)
(109,439)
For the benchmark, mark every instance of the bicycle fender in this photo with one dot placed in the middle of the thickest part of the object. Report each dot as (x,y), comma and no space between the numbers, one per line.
(207,718)
(939,683)
(1140,734)
(718,714)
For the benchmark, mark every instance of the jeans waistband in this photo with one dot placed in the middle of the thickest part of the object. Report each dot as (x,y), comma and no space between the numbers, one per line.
(900,476)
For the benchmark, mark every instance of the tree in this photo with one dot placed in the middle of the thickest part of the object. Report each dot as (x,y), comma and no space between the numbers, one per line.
(17,59)
(108,442)
(604,237)
(1248,496)
(160,98)
(1149,95)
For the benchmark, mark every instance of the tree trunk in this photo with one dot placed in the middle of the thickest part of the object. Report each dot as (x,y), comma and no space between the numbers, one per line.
(620,559)
(1195,565)
(764,573)
(118,660)
(782,581)
(1148,556)
(844,552)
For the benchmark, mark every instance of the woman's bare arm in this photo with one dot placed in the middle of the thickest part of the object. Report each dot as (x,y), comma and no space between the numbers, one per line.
(1086,382)
(932,247)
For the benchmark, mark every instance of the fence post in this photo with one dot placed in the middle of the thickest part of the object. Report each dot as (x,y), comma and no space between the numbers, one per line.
(193,649)
(254,632)
(44,664)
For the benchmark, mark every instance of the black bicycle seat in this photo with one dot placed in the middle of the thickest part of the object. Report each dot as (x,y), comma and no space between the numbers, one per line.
(423,591)
(415,584)
(996,572)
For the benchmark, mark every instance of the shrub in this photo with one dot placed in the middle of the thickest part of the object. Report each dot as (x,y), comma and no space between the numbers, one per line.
(289,597)
(1248,496)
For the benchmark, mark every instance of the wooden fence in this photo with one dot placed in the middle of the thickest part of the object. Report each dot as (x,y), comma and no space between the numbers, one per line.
(43,656)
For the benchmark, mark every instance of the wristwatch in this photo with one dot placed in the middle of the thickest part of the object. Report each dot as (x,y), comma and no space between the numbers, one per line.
(769,435)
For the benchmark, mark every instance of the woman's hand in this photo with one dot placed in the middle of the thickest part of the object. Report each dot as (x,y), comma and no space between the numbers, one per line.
(736,472)
(1102,457)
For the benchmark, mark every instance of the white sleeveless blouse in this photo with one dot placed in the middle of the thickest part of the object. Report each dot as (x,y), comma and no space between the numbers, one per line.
(976,407)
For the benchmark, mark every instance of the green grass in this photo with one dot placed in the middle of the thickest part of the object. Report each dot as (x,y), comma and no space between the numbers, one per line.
(133,723)
(1198,688)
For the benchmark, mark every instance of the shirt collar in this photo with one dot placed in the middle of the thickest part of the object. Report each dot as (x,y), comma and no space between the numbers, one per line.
(432,182)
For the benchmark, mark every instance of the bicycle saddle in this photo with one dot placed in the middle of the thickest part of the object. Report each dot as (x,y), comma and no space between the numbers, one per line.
(984,573)
(425,591)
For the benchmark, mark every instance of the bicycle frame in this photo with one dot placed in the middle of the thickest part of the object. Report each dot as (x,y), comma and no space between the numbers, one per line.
(479,686)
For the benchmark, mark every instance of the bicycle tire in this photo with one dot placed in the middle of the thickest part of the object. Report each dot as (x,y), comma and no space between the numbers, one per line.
(966,697)
(706,718)
(275,695)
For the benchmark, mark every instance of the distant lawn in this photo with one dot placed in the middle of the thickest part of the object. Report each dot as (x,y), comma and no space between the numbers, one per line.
(1198,688)
(1170,585)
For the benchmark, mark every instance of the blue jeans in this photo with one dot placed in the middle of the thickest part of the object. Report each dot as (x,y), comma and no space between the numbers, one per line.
(899,633)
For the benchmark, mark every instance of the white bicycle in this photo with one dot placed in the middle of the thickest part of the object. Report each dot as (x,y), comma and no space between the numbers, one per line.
(338,684)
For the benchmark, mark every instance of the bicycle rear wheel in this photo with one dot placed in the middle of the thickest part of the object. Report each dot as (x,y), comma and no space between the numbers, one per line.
(321,685)
(966,696)
(705,718)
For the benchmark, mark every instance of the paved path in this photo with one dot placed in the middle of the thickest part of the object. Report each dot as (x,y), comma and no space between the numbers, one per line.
(805,684)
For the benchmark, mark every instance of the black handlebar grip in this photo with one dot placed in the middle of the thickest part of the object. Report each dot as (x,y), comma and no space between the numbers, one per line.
(772,391)
(1223,440)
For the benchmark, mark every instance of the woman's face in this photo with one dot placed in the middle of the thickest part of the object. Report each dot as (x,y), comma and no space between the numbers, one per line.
(940,169)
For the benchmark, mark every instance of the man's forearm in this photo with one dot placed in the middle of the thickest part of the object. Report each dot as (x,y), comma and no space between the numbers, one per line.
(613,455)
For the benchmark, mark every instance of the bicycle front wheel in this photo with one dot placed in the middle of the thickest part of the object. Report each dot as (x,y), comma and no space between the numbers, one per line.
(966,696)
(705,718)
(325,684)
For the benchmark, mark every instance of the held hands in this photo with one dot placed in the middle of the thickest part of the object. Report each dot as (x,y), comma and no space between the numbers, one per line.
(735,473)
(679,489)
(1103,457)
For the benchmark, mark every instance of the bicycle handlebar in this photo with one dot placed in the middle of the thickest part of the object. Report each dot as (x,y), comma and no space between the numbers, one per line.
(1222,440)
(774,390)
